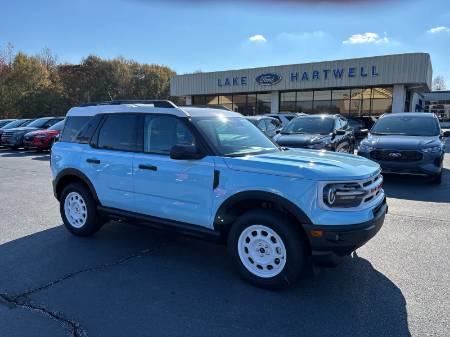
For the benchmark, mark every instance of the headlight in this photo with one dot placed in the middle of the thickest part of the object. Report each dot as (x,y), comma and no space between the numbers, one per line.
(365,147)
(343,195)
(319,143)
(40,136)
(434,149)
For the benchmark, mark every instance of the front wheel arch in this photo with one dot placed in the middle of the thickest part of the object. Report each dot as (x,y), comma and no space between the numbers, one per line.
(242,202)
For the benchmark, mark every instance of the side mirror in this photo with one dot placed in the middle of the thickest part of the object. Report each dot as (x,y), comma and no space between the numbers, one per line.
(340,132)
(185,152)
(364,132)
(446,133)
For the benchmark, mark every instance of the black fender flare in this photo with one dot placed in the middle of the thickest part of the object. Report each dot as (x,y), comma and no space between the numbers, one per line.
(293,209)
(70,172)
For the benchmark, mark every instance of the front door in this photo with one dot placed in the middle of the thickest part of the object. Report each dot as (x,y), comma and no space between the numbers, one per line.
(180,190)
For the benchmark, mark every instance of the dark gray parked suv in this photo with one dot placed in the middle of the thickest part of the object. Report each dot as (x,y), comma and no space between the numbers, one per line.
(406,143)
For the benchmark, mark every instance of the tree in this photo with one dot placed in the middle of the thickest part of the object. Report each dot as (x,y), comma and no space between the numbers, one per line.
(439,83)
(34,86)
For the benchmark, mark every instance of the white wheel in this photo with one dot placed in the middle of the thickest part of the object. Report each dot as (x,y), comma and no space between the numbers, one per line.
(262,251)
(75,210)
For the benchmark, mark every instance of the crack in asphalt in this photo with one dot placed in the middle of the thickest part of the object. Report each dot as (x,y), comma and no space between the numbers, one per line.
(76,330)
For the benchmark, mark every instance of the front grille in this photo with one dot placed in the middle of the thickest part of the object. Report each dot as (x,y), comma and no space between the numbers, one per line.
(396,155)
(7,135)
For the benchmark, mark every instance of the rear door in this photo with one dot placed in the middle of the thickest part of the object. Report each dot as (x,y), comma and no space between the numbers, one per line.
(180,190)
(109,162)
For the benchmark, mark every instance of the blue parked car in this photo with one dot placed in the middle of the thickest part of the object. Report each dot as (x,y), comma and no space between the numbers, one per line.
(212,173)
(407,143)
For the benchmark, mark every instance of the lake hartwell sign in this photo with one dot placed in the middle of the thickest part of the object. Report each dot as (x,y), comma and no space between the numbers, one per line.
(268,79)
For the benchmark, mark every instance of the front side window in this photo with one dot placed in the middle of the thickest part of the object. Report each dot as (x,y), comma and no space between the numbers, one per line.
(406,126)
(234,136)
(58,126)
(119,132)
(162,133)
(310,125)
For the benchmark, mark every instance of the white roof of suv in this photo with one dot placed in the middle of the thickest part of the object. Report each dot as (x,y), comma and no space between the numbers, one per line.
(161,107)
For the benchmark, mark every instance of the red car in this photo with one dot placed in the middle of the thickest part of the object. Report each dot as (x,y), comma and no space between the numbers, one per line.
(42,139)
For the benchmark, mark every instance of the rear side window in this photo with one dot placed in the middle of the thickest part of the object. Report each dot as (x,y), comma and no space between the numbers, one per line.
(119,132)
(72,127)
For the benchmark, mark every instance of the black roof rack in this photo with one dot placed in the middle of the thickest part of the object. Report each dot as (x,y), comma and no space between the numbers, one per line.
(156,103)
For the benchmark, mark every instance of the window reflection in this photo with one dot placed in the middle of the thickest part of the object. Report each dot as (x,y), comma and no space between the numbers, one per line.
(353,102)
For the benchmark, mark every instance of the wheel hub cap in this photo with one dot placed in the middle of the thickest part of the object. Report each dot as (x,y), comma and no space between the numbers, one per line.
(262,251)
(75,210)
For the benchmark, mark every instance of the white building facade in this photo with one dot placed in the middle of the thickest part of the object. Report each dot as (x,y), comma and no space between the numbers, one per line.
(367,86)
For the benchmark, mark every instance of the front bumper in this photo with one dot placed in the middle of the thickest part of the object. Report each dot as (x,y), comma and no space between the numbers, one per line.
(430,164)
(36,143)
(12,141)
(330,243)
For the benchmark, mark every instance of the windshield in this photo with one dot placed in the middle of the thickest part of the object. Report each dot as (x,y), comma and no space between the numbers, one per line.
(58,126)
(13,124)
(38,123)
(406,126)
(235,136)
(311,125)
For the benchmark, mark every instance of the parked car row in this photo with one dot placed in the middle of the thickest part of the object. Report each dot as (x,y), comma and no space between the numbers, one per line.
(402,143)
(39,134)
(320,132)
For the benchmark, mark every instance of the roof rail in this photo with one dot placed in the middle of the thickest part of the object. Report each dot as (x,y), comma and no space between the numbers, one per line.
(156,103)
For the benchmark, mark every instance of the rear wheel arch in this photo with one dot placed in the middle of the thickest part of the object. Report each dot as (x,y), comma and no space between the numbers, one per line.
(68,176)
(242,202)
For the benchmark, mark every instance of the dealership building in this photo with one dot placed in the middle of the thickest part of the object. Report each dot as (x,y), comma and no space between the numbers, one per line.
(368,86)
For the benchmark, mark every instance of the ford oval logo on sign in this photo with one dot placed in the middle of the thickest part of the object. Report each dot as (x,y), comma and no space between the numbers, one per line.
(268,79)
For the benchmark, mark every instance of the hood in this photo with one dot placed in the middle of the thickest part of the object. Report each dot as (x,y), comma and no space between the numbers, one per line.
(22,129)
(307,164)
(43,132)
(297,139)
(397,142)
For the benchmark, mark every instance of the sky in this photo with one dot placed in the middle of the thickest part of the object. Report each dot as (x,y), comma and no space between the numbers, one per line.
(212,35)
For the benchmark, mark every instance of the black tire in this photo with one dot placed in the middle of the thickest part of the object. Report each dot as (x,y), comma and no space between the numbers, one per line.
(93,221)
(437,179)
(291,237)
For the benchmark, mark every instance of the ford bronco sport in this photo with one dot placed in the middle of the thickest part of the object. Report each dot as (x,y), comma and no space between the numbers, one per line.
(212,173)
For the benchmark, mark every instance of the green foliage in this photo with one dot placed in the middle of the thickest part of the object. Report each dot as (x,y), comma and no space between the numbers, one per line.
(35,86)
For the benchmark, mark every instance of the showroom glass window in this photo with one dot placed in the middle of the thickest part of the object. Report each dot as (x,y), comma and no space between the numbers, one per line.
(119,132)
(247,104)
(354,102)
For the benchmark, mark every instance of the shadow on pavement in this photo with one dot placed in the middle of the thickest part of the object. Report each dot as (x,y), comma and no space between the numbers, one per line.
(35,155)
(417,187)
(176,286)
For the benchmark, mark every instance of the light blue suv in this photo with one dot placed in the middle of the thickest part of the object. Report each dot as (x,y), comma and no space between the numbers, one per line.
(212,173)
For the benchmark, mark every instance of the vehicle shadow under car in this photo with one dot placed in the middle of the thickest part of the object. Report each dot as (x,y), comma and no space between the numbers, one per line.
(35,155)
(129,280)
(417,188)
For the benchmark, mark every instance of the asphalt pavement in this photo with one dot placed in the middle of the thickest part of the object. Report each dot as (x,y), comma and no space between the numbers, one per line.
(134,281)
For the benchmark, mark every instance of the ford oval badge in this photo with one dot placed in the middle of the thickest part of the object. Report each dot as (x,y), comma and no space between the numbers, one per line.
(268,79)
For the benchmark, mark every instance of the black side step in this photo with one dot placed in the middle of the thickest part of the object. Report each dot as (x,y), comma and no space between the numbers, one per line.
(159,223)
